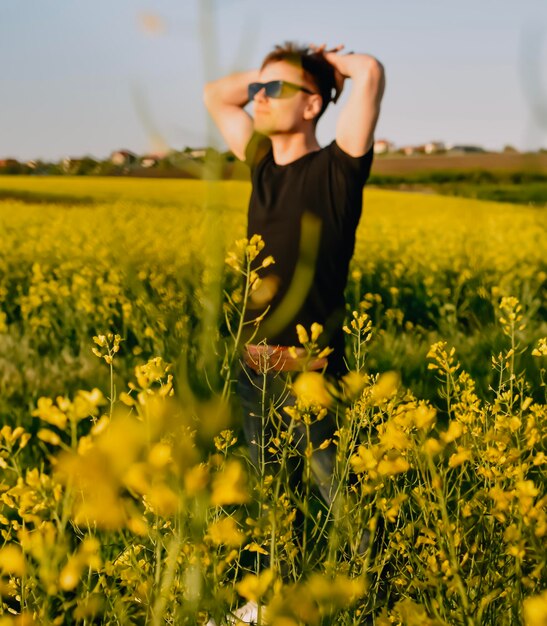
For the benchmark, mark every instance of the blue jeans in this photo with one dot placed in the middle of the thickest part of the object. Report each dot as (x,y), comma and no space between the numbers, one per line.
(262,397)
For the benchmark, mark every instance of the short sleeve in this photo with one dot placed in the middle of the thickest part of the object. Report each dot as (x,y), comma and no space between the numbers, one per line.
(356,167)
(258,147)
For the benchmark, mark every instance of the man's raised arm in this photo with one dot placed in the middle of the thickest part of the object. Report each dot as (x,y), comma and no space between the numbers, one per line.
(357,120)
(225,99)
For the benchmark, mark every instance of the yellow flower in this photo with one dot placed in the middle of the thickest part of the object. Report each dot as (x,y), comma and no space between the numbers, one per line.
(49,413)
(540,458)
(310,389)
(195,479)
(101,425)
(160,455)
(12,560)
(71,573)
(162,500)
(10,435)
(254,587)
(514,424)
(137,525)
(100,340)
(517,551)
(137,477)
(254,547)
(96,486)
(502,500)
(280,620)
(126,399)
(229,485)
(526,489)
(391,466)
(391,508)
(455,430)
(338,592)
(49,436)
(263,290)
(90,552)
(424,417)
(225,532)
(302,334)
(459,457)
(87,607)
(365,460)
(325,352)
(541,349)
(85,444)
(535,610)
(316,330)
(386,386)
(354,383)
(86,404)
(232,260)
(256,240)
(392,437)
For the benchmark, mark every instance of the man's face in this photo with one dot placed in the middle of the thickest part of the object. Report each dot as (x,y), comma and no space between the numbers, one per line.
(284,115)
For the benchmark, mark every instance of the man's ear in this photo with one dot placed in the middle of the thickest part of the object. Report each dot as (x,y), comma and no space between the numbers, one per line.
(313,107)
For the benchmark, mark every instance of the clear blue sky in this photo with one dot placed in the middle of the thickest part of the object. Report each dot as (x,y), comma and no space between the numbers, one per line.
(80,77)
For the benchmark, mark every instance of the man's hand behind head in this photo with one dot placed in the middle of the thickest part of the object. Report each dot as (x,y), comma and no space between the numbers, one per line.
(328,55)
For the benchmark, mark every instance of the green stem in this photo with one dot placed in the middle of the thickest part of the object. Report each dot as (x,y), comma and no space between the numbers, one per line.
(226,389)
(467,619)
(278,488)
(111,383)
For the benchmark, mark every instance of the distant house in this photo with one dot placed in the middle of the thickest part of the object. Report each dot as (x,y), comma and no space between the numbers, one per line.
(150,160)
(198,153)
(434,146)
(31,164)
(408,150)
(8,162)
(382,146)
(68,164)
(80,166)
(123,157)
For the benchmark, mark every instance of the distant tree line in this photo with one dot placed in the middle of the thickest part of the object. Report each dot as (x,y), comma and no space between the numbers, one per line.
(176,164)
(209,163)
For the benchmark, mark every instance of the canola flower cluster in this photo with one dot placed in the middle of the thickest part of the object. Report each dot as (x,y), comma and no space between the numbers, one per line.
(130,499)
(124,517)
(145,259)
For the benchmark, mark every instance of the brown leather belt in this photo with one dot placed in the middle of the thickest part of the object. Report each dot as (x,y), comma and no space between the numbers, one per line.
(263,358)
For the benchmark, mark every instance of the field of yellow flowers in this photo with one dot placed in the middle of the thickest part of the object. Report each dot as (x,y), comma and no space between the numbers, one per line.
(126,494)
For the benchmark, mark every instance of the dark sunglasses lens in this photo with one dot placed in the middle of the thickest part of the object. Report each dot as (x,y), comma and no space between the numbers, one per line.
(274,88)
(253,89)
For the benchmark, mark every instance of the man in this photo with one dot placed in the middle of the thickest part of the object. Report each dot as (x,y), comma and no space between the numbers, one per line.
(305,203)
(293,177)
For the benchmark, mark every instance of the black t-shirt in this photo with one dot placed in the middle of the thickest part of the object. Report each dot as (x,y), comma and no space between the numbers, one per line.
(307,213)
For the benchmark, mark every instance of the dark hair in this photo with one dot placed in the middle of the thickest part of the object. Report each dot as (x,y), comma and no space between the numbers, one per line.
(316,69)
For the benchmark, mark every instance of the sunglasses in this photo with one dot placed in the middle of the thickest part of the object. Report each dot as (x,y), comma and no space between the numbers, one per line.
(276,89)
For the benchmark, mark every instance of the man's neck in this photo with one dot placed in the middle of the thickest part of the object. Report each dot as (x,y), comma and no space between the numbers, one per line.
(287,148)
